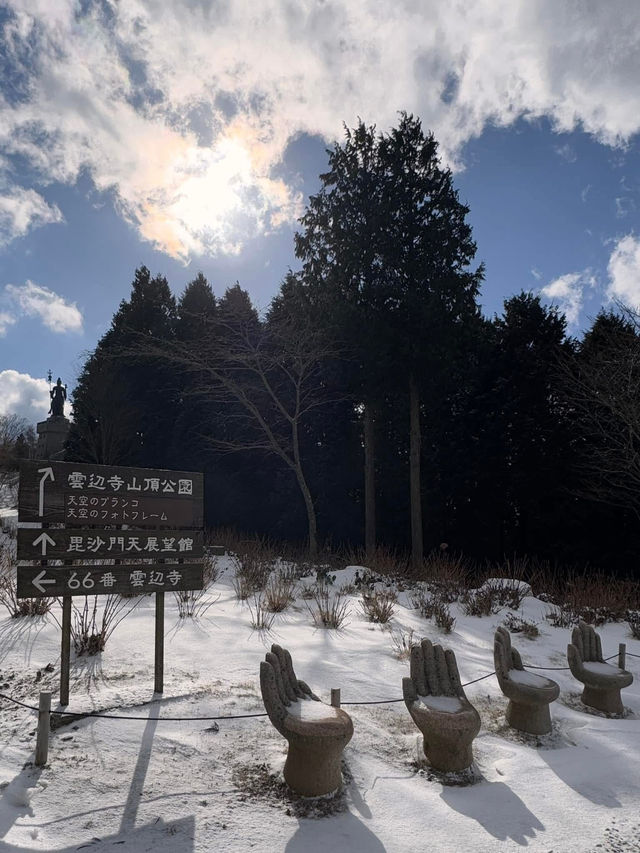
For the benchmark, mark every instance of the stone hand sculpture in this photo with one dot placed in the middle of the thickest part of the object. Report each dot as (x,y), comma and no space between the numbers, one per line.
(529,695)
(317,733)
(602,681)
(437,703)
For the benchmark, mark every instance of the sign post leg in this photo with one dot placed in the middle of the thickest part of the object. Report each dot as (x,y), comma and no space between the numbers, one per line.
(159,679)
(65,651)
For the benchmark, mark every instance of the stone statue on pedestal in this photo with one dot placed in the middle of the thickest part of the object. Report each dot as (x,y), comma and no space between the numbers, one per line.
(53,432)
(58,396)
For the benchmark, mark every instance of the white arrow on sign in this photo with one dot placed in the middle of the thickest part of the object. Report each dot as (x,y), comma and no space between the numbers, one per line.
(40,580)
(43,540)
(47,474)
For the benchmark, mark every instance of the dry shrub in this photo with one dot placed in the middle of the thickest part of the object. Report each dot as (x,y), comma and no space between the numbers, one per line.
(518,625)
(402,642)
(432,606)
(261,617)
(252,568)
(17,607)
(328,609)
(279,593)
(596,598)
(446,575)
(633,621)
(561,616)
(383,561)
(492,596)
(479,602)
(378,606)
(191,602)
(443,618)
(91,627)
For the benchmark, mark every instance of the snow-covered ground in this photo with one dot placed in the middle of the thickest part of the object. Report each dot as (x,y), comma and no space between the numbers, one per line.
(182,786)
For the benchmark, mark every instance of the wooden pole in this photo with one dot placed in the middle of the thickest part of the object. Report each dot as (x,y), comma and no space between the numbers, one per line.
(622,655)
(159,665)
(44,721)
(65,650)
(335,697)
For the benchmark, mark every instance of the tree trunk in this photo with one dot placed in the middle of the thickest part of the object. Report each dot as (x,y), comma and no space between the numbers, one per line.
(414,474)
(369,483)
(306,494)
(311,515)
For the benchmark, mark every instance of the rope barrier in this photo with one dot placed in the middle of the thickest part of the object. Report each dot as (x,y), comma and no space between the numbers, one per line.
(102,716)
(99,715)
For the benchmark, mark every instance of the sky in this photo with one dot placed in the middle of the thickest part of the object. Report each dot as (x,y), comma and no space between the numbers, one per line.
(187,136)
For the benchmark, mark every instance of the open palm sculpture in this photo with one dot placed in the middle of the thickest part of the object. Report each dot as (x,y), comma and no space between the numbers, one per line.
(529,695)
(437,703)
(602,681)
(317,733)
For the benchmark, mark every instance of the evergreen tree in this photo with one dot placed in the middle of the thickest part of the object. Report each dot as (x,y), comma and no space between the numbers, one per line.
(124,405)
(387,239)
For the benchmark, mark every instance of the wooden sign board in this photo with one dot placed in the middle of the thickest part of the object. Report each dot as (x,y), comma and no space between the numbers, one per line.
(105,495)
(39,582)
(63,544)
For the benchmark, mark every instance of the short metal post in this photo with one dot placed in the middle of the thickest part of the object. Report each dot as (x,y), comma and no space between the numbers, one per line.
(335,697)
(44,724)
(622,655)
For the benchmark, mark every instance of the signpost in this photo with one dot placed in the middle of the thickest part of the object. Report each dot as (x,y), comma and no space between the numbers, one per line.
(110,513)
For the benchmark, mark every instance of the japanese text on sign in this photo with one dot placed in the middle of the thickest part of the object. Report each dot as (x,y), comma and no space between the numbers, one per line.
(97,482)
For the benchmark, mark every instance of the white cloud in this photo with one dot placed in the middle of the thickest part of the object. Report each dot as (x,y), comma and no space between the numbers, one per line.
(23,395)
(624,272)
(21,210)
(536,273)
(566,152)
(567,292)
(6,320)
(184,110)
(56,313)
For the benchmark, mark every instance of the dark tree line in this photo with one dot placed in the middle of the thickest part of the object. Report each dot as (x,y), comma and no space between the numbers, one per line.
(373,403)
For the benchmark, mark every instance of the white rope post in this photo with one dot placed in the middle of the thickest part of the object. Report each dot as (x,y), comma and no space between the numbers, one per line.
(335,697)
(44,723)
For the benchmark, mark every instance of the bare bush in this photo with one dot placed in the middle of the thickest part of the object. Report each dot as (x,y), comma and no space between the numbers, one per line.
(446,575)
(518,625)
(192,603)
(383,561)
(633,621)
(432,606)
(402,642)
(443,618)
(17,607)
(328,609)
(279,593)
(252,569)
(261,618)
(561,616)
(493,595)
(424,602)
(91,627)
(378,606)
(595,597)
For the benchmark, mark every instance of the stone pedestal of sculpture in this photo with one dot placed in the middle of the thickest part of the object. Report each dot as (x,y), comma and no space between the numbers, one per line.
(529,695)
(439,707)
(317,733)
(602,681)
(52,435)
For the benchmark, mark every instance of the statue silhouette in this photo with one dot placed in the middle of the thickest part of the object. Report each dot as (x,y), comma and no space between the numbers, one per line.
(58,396)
